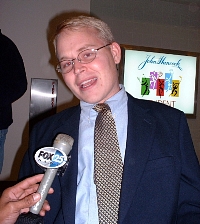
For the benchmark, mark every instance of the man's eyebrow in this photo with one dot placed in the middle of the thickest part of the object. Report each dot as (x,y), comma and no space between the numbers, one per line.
(85,47)
(65,59)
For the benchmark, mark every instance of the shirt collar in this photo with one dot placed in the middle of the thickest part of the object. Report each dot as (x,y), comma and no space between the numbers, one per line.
(116,102)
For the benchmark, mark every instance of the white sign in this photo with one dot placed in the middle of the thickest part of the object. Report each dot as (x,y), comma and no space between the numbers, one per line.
(161,77)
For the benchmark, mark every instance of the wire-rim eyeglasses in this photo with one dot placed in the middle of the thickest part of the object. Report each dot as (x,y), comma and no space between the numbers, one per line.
(86,56)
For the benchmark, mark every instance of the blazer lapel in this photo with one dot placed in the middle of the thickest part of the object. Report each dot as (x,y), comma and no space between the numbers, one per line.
(69,181)
(141,128)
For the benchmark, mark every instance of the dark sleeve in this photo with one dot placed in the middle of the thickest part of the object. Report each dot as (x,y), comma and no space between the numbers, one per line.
(13,81)
(189,195)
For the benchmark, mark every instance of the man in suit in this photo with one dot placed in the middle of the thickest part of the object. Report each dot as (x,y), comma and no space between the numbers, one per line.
(161,175)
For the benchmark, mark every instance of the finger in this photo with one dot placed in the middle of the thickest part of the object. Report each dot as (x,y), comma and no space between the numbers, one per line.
(51,191)
(26,202)
(28,182)
(45,208)
(24,187)
(33,189)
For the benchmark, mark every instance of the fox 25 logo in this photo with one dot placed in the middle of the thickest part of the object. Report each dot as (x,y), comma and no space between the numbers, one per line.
(50,157)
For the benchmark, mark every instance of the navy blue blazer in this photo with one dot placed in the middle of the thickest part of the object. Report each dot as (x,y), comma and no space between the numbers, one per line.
(161,178)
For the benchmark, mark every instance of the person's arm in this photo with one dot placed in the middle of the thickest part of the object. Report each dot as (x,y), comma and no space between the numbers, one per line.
(189,193)
(19,198)
(13,80)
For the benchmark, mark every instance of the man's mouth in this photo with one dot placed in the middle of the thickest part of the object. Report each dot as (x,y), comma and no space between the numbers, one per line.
(87,83)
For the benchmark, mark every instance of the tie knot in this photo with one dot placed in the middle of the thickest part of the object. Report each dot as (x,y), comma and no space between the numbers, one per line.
(101,107)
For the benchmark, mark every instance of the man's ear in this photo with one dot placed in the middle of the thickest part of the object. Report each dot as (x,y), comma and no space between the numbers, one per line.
(116,52)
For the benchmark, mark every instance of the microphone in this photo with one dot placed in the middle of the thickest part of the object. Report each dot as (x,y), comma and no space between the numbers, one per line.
(53,159)
(64,144)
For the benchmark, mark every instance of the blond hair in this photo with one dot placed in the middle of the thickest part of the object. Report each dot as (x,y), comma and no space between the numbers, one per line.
(79,22)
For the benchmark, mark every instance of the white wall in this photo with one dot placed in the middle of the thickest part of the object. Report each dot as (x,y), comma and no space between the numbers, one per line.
(26,23)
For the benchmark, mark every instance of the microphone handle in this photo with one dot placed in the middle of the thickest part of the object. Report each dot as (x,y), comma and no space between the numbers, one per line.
(64,143)
(44,189)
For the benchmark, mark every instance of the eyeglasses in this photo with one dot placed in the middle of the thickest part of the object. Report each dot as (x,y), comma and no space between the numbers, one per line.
(84,57)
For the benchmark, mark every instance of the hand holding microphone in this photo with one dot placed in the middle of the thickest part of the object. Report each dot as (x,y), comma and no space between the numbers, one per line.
(18,199)
(51,158)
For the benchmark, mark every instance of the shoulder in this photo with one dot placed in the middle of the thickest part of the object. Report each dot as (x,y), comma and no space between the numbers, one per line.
(153,108)
(7,43)
(58,118)
(43,132)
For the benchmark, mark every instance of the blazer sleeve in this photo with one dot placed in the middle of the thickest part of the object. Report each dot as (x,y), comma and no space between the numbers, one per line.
(189,194)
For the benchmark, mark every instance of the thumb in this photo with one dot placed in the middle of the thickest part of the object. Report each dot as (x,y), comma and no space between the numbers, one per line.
(28,201)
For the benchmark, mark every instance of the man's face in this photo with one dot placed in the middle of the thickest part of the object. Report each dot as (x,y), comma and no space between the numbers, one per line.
(96,81)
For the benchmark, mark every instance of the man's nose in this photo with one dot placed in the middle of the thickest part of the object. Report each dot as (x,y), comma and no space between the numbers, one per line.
(78,67)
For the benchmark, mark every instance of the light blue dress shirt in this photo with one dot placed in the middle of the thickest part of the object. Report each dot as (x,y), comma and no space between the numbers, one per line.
(86,198)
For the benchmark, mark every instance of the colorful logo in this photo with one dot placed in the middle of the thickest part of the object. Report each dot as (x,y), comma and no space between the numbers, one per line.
(50,157)
(161,84)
